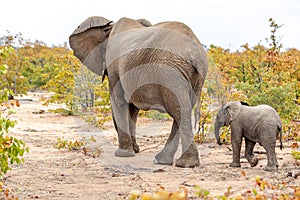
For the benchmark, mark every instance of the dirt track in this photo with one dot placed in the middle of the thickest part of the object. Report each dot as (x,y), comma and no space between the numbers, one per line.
(49,173)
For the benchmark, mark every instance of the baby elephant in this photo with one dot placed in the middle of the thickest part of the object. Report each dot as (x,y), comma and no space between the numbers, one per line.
(260,124)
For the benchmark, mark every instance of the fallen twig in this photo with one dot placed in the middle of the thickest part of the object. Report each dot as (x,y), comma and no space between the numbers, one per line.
(184,183)
(152,147)
(260,152)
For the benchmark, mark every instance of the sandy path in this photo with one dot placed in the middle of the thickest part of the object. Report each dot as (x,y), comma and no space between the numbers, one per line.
(49,173)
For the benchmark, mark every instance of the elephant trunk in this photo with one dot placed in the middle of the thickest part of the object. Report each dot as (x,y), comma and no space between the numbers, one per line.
(217,135)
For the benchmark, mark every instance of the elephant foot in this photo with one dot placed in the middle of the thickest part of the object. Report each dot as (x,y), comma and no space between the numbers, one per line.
(235,164)
(189,159)
(187,162)
(123,153)
(160,158)
(253,162)
(270,168)
(136,148)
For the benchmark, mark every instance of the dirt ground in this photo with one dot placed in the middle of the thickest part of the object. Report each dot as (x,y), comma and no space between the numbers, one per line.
(93,172)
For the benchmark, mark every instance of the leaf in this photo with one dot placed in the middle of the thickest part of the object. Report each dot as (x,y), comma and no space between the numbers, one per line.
(243,173)
(254,191)
(295,145)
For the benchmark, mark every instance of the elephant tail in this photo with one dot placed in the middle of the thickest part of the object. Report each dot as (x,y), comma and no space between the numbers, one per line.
(280,137)
(197,114)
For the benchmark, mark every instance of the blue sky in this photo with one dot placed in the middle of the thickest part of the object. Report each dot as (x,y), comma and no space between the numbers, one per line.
(228,24)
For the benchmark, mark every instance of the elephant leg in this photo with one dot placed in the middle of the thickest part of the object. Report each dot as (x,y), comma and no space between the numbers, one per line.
(271,155)
(249,152)
(189,156)
(236,142)
(167,154)
(132,126)
(121,120)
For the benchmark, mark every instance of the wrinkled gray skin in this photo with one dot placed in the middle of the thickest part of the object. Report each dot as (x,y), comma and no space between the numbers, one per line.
(160,67)
(260,124)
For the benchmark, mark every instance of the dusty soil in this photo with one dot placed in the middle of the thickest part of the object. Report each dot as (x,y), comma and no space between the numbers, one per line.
(93,172)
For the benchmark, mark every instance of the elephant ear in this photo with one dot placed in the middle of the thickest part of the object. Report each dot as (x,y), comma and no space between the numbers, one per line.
(89,43)
(232,111)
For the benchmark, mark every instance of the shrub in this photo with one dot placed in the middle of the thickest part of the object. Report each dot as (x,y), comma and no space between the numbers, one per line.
(11,148)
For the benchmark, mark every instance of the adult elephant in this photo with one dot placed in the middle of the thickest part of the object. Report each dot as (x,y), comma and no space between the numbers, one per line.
(160,67)
(260,124)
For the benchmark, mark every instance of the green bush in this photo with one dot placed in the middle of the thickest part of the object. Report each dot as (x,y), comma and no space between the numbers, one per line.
(11,148)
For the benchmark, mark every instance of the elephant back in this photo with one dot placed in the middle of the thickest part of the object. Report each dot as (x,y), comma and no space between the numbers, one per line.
(173,38)
(193,50)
